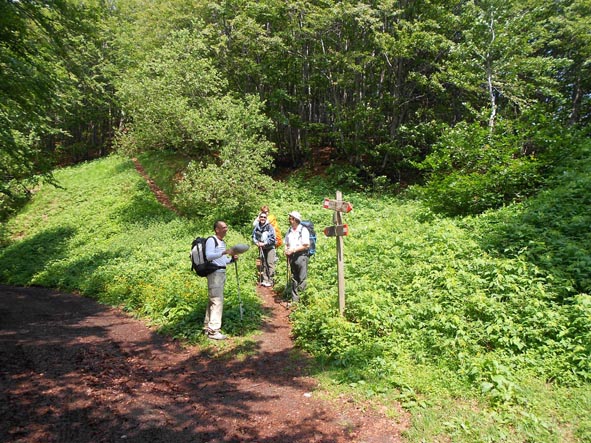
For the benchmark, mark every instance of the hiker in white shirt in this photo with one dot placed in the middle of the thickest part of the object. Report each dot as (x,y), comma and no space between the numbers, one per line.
(297,242)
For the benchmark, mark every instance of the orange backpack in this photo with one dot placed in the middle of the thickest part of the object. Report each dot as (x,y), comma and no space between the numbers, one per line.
(278,237)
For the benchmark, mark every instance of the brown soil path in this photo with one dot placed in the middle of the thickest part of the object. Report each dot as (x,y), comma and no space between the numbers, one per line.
(160,195)
(76,371)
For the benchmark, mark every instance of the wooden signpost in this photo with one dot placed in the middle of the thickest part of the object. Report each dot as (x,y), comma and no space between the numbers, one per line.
(339,230)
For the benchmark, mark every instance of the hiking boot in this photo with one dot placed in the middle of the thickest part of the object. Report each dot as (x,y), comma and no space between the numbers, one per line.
(216,335)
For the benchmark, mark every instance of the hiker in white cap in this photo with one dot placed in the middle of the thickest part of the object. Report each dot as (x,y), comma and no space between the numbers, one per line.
(297,242)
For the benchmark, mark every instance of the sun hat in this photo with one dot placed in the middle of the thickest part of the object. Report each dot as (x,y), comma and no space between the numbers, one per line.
(296,215)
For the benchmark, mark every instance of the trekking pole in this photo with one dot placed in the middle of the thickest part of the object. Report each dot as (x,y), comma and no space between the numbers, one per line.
(262,266)
(288,282)
(238,290)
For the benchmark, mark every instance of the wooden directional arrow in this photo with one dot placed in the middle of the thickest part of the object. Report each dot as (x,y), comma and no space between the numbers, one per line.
(336,230)
(337,205)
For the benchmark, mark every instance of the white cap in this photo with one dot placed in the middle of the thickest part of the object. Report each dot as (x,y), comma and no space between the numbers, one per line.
(296,215)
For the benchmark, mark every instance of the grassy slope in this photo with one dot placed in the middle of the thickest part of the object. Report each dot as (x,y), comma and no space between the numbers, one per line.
(425,297)
(103,234)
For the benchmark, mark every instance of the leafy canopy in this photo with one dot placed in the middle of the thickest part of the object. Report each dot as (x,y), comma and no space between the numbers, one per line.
(178,101)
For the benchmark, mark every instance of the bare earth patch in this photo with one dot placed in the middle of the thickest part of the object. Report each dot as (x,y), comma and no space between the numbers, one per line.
(73,370)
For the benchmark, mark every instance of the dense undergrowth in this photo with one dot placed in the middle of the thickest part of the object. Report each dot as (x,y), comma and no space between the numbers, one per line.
(480,326)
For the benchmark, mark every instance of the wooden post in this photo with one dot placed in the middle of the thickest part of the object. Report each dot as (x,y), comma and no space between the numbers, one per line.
(340,259)
(338,230)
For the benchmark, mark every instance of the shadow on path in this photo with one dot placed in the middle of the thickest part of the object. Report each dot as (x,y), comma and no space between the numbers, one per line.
(76,371)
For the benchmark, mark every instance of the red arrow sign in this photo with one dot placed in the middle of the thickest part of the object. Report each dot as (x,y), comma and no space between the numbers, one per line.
(337,205)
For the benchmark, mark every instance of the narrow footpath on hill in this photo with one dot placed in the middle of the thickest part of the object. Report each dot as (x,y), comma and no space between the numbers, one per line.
(76,371)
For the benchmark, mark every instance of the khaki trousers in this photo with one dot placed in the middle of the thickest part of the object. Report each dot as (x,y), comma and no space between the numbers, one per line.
(215,307)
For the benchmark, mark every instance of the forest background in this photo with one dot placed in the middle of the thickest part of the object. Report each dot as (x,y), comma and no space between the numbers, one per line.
(474,114)
(475,99)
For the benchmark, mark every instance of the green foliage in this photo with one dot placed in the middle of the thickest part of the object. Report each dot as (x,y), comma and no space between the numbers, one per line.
(375,82)
(472,168)
(179,102)
(172,98)
(378,81)
(451,303)
(234,183)
(484,318)
(552,229)
(53,93)
(568,24)
(500,57)
(30,74)
(164,167)
(215,190)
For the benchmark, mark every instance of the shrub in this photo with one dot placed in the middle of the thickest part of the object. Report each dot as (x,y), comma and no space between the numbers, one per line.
(472,169)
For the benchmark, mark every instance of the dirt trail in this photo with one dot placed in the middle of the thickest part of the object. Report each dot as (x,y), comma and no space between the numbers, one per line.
(160,195)
(77,371)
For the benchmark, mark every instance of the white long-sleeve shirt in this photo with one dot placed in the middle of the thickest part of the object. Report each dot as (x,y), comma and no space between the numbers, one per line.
(215,253)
